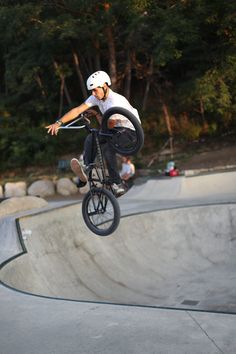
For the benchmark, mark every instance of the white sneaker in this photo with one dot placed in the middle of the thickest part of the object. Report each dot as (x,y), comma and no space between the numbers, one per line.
(78,170)
(118,189)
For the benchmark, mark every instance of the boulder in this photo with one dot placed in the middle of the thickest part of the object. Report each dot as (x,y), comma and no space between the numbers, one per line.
(17,204)
(42,188)
(66,187)
(15,189)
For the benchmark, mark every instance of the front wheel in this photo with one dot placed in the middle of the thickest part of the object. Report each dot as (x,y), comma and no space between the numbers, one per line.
(101,211)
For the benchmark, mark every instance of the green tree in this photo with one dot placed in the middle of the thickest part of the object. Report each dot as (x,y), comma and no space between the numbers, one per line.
(174,59)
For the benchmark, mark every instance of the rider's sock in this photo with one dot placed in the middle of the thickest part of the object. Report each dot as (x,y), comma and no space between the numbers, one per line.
(80,183)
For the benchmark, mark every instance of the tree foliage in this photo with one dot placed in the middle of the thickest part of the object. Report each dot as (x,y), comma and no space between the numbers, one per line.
(174,59)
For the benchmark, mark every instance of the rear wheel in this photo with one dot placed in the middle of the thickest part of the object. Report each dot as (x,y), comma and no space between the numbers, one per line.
(101,211)
(128,139)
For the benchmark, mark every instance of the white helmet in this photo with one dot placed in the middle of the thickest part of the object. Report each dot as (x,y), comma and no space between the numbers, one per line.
(98,79)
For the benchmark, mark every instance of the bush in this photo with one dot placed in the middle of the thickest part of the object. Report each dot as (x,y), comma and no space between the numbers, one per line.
(33,146)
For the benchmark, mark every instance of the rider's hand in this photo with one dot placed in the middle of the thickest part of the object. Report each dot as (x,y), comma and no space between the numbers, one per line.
(53,128)
(92,113)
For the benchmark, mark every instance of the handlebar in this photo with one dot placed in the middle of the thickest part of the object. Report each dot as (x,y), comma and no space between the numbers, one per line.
(81,119)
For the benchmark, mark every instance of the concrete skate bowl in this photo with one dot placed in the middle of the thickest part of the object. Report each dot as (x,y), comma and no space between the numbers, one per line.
(182,258)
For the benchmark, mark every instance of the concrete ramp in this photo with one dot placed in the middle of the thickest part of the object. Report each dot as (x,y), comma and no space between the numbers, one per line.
(177,188)
(165,188)
(180,258)
(211,184)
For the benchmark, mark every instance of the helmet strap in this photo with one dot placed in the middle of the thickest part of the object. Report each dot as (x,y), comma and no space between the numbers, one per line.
(104,92)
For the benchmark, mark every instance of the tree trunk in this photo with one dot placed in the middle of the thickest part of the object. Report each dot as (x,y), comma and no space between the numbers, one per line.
(63,83)
(97,62)
(167,118)
(67,93)
(79,73)
(40,84)
(165,110)
(148,83)
(61,97)
(168,124)
(112,56)
(127,77)
(202,111)
(89,63)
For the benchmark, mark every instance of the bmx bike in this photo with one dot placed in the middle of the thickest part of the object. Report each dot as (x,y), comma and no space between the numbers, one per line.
(100,208)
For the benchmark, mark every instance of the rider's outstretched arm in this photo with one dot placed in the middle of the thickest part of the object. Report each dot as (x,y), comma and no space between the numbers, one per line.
(72,114)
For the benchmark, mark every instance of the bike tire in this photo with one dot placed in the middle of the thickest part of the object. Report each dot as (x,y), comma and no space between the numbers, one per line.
(101,211)
(136,136)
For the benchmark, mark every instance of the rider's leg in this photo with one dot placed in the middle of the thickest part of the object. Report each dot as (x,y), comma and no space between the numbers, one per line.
(116,182)
(89,150)
(77,168)
(110,156)
(89,156)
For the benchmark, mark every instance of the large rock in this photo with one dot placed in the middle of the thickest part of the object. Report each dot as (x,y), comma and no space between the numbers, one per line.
(66,187)
(42,188)
(18,204)
(1,192)
(15,189)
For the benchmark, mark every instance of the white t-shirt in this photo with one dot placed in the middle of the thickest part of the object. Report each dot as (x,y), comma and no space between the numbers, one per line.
(114,100)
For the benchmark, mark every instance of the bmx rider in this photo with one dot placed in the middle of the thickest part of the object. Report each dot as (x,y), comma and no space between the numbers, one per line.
(104,98)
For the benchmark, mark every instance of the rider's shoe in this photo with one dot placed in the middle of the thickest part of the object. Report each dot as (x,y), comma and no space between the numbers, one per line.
(118,189)
(78,170)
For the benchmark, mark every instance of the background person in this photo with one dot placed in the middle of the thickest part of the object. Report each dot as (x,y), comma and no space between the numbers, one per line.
(127,171)
(127,168)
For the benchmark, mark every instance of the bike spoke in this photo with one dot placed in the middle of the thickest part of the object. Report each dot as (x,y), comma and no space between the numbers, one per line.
(100,212)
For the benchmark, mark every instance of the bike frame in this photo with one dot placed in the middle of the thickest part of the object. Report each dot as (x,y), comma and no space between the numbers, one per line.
(100,209)
(101,178)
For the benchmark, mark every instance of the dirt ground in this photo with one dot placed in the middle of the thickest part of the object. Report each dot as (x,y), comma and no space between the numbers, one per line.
(219,157)
(213,155)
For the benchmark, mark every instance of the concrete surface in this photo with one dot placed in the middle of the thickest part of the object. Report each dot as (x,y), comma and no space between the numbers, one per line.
(169,269)
(170,258)
(33,325)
